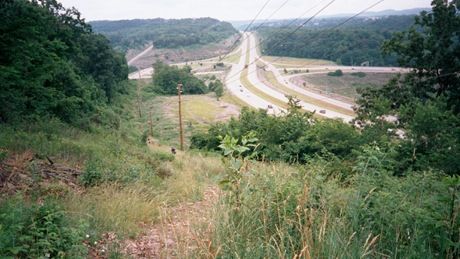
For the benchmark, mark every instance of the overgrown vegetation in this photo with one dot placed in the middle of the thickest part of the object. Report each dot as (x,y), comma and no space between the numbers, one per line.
(51,64)
(132,34)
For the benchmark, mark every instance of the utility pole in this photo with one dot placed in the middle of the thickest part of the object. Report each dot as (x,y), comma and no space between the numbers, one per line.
(181,129)
(151,124)
(138,95)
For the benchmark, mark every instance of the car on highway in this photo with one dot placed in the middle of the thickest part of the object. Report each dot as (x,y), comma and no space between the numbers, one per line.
(322,111)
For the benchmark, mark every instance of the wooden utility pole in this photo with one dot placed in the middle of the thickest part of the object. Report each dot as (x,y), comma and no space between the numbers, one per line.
(181,129)
(138,95)
(151,124)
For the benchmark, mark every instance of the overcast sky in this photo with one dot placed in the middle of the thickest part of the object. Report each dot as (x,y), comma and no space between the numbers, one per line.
(223,9)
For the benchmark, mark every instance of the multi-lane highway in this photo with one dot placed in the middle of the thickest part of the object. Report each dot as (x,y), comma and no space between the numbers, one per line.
(243,82)
(242,91)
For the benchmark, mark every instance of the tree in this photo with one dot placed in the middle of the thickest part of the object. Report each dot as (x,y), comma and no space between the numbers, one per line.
(432,49)
(166,78)
(426,102)
(217,87)
(51,64)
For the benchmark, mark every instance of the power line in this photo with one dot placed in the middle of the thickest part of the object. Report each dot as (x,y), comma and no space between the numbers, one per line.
(232,48)
(303,24)
(292,32)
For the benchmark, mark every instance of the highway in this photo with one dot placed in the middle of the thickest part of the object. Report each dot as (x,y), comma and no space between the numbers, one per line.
(233,83)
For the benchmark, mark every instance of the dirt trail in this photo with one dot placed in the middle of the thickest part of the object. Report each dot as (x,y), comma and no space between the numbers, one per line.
(177,234)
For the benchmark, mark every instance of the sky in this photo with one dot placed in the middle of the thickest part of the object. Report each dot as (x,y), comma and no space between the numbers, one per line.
(228,10)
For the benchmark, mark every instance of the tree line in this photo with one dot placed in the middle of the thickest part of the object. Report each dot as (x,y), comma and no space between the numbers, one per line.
(162,33)
(352,44)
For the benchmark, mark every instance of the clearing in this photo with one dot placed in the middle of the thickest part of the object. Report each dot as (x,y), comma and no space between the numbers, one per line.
(199,111)
(179,55)
(345,85)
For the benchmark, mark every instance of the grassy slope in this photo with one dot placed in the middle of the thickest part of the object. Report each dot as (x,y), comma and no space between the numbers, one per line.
(286,211)
(347,84)
(287,62)
(133,190)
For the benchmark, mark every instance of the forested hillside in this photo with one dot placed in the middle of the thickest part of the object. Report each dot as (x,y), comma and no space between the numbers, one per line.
(52,64)
(128,34)
(357,42)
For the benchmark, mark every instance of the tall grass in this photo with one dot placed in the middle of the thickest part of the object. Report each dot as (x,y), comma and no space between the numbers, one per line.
(124,184)
(303,213)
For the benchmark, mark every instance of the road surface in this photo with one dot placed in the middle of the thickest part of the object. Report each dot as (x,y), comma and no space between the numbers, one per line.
(235,86)
(140,55)
(255,81)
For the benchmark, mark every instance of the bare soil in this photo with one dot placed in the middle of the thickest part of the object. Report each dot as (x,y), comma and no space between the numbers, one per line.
(172,56)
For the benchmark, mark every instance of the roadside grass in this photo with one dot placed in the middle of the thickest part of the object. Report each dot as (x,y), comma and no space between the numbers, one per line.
(347,84)
(288,62)
(230,98)
(233,58)
(270,77)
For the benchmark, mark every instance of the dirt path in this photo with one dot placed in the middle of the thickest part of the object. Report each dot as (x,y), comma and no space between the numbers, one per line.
(182,231)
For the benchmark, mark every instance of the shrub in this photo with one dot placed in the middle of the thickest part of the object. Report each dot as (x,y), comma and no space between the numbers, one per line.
(38,231)
(359,74)
(92,174)
(336,73)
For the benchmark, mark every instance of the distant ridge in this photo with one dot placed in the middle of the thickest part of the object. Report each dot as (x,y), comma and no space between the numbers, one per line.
(414,11)
(389,12)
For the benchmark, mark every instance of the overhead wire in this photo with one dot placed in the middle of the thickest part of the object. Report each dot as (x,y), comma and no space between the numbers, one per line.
(302,25)
(289,34)
(232,48)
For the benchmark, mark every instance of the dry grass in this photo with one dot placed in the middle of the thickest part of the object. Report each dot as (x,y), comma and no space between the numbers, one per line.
(234,58)
(232,99)
(345,85)
(116,208)
(200,110)
(287,62)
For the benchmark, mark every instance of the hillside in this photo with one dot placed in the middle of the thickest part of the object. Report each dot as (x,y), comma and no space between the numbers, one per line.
(133,34)
(357,42)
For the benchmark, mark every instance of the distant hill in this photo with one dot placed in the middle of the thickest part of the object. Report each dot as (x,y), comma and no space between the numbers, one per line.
(389,12)
(241,25)
(131,34)
(358,41)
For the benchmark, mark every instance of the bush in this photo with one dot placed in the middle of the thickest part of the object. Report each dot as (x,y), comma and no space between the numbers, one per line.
(92,174)
(38,231)
(337,73)
(359,74)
